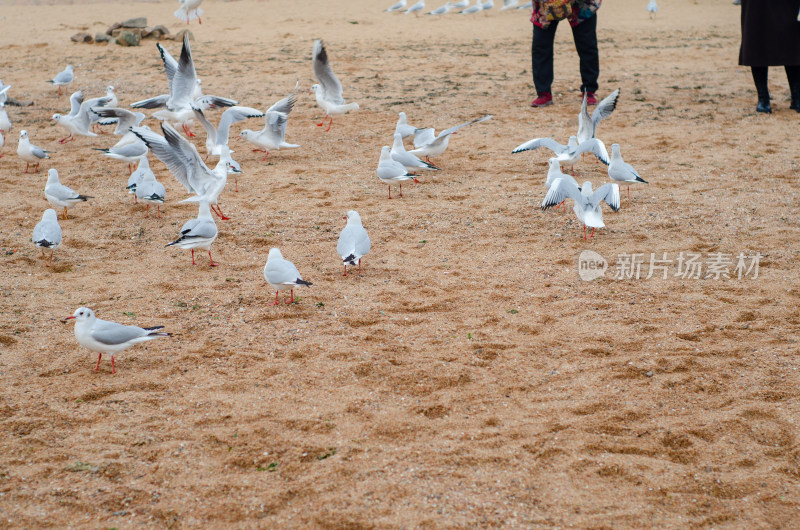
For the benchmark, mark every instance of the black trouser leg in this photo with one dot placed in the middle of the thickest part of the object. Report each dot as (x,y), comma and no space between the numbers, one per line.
(760,77)
(585,36)
(542,57)
(793,75)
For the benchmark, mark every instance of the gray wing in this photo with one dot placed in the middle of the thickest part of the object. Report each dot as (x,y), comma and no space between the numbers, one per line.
(211,102)
(75,101)
(84,118)
(324,73)
(451,130)
(285,105)
(231,116)
(38,152)
(61,192)
(205,229)
(561,190)
(536,143)
(276,125)
(63,77)
(180,156)
(185,78)
(50,231)
(113,334)
(211,131)
(608,192)
(152,103)
(131,150)
(127,119)
(605,107)
(170,64)
(596,147)
(423,137)
(282,272)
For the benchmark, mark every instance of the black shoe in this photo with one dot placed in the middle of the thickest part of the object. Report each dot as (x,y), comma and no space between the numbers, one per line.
(763,106)
(795,105)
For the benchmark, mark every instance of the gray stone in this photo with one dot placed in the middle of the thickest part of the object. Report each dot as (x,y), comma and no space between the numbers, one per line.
(110,30)
(129,38)
(158,32)
(102,37)
(138,22)
(82,37)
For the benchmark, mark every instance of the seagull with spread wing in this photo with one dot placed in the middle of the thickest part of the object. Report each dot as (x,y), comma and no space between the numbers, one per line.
(329,90)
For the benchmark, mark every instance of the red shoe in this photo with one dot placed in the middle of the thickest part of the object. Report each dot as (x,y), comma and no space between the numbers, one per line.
(590,98)
(544,99)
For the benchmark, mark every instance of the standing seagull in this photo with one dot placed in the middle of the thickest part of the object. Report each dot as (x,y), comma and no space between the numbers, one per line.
(508,4)
(442,10)
(410,161)
(620,171)
(29,152)
(189,10)
(103,336)
(138,176)
(130,153)
(587,126)
(329,90)
(5,123)
(477,8)
(198,233)
(399,6)
(403,127)
(282,275)
(151,191)
(63,78)
(78,120)
(273,135)
(59,195)
(416,8)
(587,203)
(652,8)
(428,145)
(47,234)
(353,242)
(390,171)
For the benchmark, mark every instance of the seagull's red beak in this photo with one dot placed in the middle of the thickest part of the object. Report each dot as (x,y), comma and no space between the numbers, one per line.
(68,318)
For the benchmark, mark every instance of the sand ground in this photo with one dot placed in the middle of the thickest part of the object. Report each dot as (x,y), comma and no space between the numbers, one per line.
(468,377)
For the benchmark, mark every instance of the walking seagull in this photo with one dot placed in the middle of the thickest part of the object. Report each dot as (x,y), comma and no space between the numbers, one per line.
(47,234)
(273,135)
(353,242)
(282,275)
(620,171)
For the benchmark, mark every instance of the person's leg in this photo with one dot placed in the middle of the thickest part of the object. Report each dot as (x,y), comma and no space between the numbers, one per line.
(585,37)
(793,75)
(760,76)
(542,58)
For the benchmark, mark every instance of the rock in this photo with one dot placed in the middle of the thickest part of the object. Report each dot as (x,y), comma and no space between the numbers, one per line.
(115,25)
(181,33)
(82,37)
(129,38)
(138,22)
(158,32)
(102,37)
(137,31)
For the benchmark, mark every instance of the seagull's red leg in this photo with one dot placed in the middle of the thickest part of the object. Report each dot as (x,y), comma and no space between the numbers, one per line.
(158,211)
(27,165)
(329,124)
(236,181)
(292,297)
(390,191)
(113,369)
(276,298)
(97,366)
(147,211)
(193,262)
(592,232)
(188,131)
(65,139)
(36,168)
(401,190)
(51,256)
(345,267)
(629,192)
(222,215)
(584,232)
(359,265)
(211,262)
(65,213)
(135,199)
(320,124)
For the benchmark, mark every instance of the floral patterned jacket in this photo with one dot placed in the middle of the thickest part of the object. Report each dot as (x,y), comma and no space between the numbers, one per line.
(575,11)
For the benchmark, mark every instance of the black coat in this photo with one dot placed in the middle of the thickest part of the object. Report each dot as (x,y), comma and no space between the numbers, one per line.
(770,33)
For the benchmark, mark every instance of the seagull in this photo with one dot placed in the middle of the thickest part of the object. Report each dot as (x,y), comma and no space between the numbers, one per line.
(130,153)
(184,162)
(620,171)
(399,6)
(567,154)
(282,275)
(587,203)
(390,171)
(47,234)
(477,8)
(428,145)
(587,126)
(273,135)
(442,10)
(652,8)
(553,173)
(63,78)
(123,118)
(103,336)
(416,8)
(29,152)
(151,191)
(198,233)
(329,90)
(5,123)
(410,161)
(96,121)
(489,4)
(183,91)
(59,195)
(78,120)
(137,176)
(508,4)
(353,242)
(189,10)
(217,138)
(403,127)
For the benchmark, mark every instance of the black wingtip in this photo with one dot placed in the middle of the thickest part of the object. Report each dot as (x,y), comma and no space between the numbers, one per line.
(98,149)
(350,260)
(44,243)
(640,179)
(303,282)
(85,197)
(153,328)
